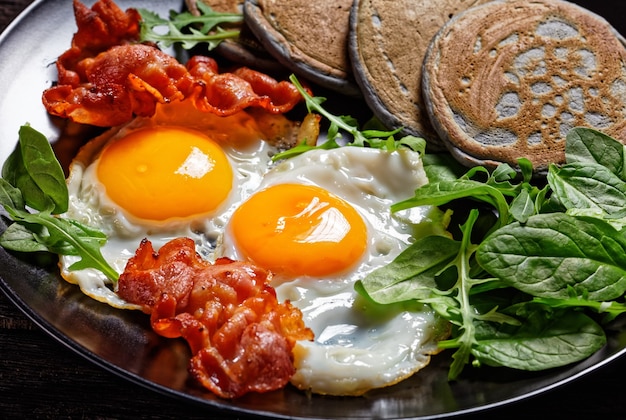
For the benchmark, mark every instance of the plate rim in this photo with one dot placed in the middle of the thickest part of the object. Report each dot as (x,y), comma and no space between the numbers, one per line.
(224,406)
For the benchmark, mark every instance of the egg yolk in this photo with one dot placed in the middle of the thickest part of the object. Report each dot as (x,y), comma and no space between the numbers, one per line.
(162,173)
(299,230)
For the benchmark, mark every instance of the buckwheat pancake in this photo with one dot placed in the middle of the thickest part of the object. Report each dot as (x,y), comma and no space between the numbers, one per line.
(387,43)
(509,79)
(245,49)
(308,37)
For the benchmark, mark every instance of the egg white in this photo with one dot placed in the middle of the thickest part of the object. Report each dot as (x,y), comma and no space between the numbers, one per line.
(357,347)
(90,205)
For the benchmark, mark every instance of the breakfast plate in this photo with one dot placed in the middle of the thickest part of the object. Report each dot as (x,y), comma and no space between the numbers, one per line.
(124,343)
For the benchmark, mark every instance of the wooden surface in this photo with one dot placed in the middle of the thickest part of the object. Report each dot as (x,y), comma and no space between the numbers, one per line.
(41,378)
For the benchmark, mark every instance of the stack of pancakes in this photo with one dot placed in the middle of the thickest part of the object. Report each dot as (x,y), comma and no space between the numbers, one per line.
(488,81)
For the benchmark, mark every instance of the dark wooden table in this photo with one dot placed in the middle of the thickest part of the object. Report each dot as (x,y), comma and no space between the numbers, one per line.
(41,378)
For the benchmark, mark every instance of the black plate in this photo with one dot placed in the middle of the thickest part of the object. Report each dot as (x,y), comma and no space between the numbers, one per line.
(98,332)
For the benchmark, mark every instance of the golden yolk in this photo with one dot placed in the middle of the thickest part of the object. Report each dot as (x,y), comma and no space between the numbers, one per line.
(299,230)
(160,173)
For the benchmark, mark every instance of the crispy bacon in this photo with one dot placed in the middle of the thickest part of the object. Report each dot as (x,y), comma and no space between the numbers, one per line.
(225,93)
(241,338)
(99,28)
(125,81)
(106,78)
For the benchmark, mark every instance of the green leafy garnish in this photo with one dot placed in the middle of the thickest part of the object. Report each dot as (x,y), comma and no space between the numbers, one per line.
(33,180)
(545,337)
(556,253)
(375,138)
(531,266)
(33,169)
(187,29)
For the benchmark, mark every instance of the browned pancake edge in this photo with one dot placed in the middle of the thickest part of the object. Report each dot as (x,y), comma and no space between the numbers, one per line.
(308,37)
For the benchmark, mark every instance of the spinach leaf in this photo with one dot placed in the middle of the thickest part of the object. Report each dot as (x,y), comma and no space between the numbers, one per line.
(33,177)
(412,274)
(440,167)
(585,145)
(552,253)
(20,238)
(34,170)
(544,338)
(10,196)
(522,206)
(584,185)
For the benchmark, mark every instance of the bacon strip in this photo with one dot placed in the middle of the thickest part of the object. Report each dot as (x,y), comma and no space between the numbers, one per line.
(99,28)
(226,93)
(241,338)
(125,81)
(106,78)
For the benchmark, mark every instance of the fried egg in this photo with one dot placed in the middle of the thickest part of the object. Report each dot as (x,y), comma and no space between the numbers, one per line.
(178,173)
(320,222)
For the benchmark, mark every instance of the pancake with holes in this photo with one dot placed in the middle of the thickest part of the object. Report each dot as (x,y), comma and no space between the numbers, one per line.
(387,43)
(308,37)
(509,79)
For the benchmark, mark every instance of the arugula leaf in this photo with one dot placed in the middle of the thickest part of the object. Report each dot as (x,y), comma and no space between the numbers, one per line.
(303,148)
(376,138)
(458,308)
(60,236)
(445,191)
(40,184)
(180,27)
(511,200)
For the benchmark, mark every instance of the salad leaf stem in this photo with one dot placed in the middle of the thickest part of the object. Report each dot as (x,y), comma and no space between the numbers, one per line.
(466,339)
(611,309)
(345,123)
